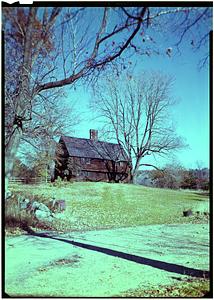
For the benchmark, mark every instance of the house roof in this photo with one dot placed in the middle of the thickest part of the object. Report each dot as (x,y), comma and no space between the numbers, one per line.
(88,148)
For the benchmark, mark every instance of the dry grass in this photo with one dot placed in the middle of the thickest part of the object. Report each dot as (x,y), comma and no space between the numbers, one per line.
(189,288)
(14,217)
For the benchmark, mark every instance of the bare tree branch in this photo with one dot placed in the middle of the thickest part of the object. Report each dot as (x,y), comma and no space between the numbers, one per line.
(150,165)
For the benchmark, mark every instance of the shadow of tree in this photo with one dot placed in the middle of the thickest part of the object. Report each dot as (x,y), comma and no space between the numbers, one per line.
(198,199)
(169,267)
(202,194)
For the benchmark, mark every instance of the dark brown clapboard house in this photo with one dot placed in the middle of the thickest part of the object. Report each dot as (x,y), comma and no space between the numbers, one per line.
(91,160)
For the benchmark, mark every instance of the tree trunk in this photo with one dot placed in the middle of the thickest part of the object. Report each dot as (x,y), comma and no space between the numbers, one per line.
(11,151)
(135,169)
(23,100)
(130,175)
(52,170)
(46,174)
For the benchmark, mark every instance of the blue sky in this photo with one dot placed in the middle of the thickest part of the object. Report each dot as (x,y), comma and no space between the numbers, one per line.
(191,89)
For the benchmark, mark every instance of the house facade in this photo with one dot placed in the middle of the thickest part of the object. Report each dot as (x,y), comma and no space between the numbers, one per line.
(91,160)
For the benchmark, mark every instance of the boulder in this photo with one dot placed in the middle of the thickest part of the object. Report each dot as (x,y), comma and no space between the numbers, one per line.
(35,205)
(43,216)
(32,208)
(43,207)
(57,205)
(62,205)
(187,213)
(24,204)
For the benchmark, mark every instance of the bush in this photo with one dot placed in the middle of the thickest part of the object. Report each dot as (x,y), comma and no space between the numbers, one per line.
(205,185)
(166,178)
(14,217)
(58,182)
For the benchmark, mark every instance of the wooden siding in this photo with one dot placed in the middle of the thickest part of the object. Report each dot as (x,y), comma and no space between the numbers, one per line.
(86,168)
(90,169)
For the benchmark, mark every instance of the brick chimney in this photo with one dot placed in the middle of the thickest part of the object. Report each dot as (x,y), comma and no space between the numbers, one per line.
(93,134)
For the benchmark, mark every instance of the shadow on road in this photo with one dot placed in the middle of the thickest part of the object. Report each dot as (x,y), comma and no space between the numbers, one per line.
(169,267)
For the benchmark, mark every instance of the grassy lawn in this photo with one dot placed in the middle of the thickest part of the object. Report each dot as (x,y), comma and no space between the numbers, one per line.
(104,205)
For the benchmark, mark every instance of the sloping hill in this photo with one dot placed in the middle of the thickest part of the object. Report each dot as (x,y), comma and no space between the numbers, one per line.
(104,205)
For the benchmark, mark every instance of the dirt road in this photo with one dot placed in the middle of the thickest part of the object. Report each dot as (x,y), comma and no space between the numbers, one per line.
(107,262)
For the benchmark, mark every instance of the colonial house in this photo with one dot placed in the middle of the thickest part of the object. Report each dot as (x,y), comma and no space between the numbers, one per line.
(91,160)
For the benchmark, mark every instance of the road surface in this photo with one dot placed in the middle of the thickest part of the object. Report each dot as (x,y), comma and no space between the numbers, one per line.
(105,263)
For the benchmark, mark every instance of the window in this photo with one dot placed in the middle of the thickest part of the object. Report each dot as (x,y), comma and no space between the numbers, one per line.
(84,173)
(87,161)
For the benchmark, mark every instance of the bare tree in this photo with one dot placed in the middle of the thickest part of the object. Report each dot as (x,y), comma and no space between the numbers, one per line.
(50,48)
(136,114)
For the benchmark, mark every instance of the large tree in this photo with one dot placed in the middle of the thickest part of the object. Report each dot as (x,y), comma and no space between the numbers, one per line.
(136,114)
(48,48)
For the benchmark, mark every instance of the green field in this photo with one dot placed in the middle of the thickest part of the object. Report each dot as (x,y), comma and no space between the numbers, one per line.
(106,205)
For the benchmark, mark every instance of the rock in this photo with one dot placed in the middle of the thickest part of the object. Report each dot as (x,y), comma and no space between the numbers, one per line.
(51,204)
(57,205)
(8,195)
(30,209)
(62,205)
(35,205)
(187,213)
(43,207)
(43,216)
(24,203)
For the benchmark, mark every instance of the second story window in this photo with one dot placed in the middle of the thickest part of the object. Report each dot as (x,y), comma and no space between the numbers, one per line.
(86,161)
